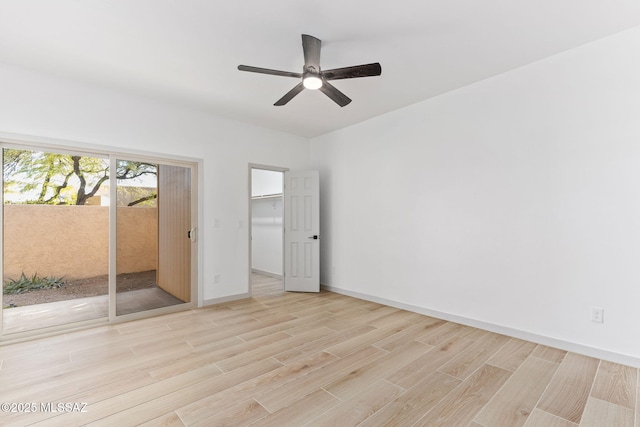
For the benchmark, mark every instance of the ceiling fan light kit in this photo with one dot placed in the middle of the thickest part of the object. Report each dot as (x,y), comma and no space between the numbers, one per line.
(314,78)
(312,82)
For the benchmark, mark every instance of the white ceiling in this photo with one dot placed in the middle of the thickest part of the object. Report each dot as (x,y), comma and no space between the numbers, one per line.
(186,51)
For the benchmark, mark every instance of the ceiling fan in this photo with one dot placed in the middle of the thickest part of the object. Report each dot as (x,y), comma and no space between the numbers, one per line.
(314,78)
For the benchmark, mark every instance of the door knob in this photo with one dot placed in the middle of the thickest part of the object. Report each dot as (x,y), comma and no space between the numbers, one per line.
(314,237)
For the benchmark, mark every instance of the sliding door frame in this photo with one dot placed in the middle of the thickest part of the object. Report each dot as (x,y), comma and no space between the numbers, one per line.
(113,317)
(8,140)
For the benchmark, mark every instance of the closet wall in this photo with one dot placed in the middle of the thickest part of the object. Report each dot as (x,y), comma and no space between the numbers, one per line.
(266,222)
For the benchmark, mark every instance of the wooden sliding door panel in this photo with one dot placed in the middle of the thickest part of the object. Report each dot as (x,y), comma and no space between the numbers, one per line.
(174,229)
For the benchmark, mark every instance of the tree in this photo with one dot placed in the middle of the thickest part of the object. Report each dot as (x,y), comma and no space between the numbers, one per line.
(54,178)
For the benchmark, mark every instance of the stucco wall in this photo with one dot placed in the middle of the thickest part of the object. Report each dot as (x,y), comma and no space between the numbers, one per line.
(137,239)
(73,241)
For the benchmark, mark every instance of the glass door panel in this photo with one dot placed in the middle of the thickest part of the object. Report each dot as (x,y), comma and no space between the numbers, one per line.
(55,220)
(153,256)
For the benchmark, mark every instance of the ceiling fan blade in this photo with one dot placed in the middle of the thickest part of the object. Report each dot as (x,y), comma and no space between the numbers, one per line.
(338,97)
(289,95)
(268,71)
(311,49)
(367,70)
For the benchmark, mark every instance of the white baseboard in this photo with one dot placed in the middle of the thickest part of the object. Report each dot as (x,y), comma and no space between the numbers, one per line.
(225,299)
(623,359)
(267,273)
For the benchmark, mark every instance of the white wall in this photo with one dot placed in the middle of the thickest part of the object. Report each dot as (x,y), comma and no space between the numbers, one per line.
(80,115)
(266,233)
(513,203)
(266,221)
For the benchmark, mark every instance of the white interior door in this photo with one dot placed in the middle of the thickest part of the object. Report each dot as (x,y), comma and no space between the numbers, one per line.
(302,231)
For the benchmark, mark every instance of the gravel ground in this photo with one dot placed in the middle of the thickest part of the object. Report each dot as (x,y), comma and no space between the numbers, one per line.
(81,288)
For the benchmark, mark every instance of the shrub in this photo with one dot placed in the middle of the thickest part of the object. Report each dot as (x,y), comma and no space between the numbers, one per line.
(33,283)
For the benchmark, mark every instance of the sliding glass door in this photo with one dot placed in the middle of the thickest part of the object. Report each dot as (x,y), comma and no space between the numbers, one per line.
(91,238)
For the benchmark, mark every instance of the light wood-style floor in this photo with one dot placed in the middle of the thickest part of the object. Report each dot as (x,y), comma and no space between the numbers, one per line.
(293,359)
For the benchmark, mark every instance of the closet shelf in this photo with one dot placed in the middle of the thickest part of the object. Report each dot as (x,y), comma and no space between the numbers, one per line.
(266,196)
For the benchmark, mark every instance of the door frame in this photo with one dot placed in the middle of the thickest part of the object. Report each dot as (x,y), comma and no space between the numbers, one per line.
(195,253)
(253,166)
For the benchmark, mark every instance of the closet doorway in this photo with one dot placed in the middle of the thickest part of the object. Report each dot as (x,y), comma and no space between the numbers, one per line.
(267,233)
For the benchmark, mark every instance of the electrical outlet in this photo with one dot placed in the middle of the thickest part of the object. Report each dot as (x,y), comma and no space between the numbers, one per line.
(597,314)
